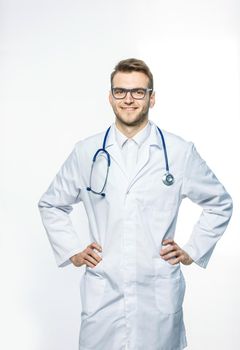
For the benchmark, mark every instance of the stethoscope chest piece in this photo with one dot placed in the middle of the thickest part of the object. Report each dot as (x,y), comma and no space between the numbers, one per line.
(168,179)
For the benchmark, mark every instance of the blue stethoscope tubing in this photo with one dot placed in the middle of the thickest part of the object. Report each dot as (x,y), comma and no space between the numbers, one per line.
(167,179)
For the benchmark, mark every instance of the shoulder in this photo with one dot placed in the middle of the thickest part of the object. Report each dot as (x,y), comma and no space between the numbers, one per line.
(174,138)
(90,144)
(182,150)
(176,142)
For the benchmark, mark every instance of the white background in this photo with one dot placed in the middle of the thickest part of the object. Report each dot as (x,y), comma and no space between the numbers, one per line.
(56,59)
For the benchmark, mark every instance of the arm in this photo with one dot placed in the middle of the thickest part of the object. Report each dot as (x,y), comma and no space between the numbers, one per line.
(55,206)
(203,188)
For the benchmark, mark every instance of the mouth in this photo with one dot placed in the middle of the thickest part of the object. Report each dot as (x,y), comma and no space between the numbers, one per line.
(129,108)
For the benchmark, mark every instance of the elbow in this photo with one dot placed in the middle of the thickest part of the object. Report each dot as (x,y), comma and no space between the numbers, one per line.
(43,204)
(40,203)
(230,207)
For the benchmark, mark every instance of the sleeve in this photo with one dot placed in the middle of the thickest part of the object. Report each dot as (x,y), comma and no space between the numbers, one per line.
(202,187)
(55,206)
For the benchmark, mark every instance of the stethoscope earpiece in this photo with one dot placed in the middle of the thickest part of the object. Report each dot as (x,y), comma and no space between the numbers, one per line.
(100,193)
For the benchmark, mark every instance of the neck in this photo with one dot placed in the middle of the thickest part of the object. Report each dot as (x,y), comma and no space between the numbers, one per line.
(128,130)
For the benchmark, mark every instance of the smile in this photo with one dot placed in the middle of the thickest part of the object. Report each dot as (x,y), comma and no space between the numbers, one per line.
(129,108)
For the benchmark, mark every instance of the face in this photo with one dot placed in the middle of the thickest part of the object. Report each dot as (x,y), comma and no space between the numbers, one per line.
(129,111)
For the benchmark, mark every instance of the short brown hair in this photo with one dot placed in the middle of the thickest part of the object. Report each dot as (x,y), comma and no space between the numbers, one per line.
(133,65)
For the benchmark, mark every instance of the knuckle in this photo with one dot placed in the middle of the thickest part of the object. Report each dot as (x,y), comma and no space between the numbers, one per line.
(85,254)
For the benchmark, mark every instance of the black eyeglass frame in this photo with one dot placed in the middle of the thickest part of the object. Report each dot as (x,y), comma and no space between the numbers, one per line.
(130,90)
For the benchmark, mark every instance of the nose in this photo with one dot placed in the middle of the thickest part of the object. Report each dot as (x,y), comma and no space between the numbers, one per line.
(128,98)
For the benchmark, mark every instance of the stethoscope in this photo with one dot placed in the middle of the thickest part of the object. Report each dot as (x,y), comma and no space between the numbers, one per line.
(167,179)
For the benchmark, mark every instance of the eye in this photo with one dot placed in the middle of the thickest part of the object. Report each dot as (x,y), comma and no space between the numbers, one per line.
(118,91)
(138,93)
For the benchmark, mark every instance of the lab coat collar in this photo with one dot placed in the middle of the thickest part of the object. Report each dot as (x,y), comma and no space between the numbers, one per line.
(153,138)
(112,147)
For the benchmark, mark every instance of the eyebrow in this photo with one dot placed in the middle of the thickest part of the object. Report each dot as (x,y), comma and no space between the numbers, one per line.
(118,87)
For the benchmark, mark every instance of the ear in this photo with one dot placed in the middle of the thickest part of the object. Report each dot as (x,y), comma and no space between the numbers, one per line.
(152,100)
(110,98)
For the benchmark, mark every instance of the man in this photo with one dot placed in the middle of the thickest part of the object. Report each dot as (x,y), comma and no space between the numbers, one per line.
(131,180)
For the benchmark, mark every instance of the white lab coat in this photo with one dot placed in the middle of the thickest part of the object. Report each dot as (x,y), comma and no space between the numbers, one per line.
(133,298)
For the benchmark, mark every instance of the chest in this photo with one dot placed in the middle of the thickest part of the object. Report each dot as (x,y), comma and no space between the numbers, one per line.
(145,185)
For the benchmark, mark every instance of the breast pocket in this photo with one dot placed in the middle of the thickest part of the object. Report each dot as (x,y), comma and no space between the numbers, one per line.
(169,286)
(92,288)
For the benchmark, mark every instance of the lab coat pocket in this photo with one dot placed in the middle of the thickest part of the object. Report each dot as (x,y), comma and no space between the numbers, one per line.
(92,291)
(169,286)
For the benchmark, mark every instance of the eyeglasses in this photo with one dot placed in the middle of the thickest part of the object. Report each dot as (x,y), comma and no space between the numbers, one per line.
(137,93)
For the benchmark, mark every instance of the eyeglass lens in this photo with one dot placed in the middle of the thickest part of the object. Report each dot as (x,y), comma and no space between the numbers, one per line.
(120,93)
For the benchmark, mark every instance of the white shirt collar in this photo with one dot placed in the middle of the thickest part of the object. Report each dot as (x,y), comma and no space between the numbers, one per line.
(139,138)
(153,139)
